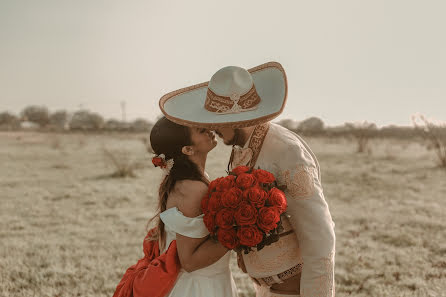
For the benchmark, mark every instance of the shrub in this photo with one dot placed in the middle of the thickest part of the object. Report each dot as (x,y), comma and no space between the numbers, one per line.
(311,125)
(289,124)
(86,120)
(362,132)
(9,121)
(400,132)
(59,119)
(36,114)
(115,125)
(434,135)
(141,125)
(121,163)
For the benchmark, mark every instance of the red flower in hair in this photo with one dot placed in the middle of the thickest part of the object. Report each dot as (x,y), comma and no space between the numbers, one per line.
(159,162)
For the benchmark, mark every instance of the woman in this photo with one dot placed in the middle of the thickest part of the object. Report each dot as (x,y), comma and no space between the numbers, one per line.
(204,262)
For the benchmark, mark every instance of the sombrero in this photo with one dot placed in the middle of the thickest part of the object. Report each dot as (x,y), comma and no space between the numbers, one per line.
(234,97)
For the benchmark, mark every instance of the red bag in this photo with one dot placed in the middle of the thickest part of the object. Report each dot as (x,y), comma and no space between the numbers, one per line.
(152,276)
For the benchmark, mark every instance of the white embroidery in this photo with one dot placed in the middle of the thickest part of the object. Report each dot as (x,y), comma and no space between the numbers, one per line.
(299,182)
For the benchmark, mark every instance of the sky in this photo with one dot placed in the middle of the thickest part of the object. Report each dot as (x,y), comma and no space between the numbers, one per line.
(346,60)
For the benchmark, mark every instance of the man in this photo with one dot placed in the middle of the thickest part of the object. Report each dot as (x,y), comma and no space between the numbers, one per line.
(239,105)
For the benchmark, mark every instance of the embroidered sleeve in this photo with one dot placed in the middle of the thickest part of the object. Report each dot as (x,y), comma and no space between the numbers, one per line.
(310,217)
(299,181)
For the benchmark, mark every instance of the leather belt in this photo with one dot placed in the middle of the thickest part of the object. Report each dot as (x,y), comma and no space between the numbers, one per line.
(279,278)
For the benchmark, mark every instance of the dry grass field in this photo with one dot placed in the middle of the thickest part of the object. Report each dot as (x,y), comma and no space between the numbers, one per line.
(70,229)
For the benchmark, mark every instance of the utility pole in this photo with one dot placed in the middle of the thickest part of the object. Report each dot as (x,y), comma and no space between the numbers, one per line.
(123,111)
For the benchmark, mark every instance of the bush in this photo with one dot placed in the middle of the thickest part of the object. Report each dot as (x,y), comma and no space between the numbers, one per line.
(289,124)
(59,119)
(36,114)
(115,125)
(362,132)
(337,131)
(86,120)
(120,161)
(434,135)
(311,125)
(393,131)
(9,121)
(141,125)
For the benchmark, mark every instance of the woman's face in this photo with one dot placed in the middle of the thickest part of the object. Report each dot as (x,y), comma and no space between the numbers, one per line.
(203,140)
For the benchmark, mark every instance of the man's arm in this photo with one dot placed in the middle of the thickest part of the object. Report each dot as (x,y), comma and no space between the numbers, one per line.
(310,217)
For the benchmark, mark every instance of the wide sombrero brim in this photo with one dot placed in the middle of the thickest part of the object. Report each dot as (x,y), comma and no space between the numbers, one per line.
(186,106)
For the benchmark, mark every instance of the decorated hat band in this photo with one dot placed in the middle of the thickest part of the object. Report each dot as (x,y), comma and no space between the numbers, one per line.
(233,104)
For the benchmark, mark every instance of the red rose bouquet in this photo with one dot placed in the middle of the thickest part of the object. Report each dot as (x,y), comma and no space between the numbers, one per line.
(243,210)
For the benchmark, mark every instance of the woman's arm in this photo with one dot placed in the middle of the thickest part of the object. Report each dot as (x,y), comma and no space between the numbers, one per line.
(195,253)
(198,253)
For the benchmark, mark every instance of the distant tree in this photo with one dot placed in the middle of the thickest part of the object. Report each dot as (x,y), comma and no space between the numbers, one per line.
(141,125)
(362,131)
(289,124)
(9,120)
(311,125)
(337,131)
(36,114)
(434,135)
(116,125)
(59,119)
(401,132)
(86,120)
(113,125)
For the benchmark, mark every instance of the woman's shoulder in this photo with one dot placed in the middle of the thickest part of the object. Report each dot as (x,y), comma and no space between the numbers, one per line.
(190,194)
(187,185)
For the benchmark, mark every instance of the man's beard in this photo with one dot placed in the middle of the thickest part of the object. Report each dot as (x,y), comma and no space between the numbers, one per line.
(237,139)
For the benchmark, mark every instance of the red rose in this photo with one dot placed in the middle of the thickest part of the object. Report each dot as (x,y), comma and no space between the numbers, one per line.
(209,222)
(277,198)
(214,204)
(158,162)
(232,198)
(204,203)
(213,185)
(240,169)
(246,214)
(226,183)
(249,235)
(245,180)
(268,218)
(228,238)
(263,176)
(256,196)
(225,218)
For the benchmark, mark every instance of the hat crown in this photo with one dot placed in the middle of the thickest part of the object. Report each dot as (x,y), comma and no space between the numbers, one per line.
(231,80)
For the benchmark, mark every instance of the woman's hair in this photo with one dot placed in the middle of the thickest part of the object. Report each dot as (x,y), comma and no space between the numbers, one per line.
(169,138)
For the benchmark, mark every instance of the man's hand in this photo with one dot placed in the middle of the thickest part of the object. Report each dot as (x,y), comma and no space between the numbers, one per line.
(240,262)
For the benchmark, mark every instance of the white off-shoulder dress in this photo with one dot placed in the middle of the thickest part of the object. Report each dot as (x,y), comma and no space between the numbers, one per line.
(214,280)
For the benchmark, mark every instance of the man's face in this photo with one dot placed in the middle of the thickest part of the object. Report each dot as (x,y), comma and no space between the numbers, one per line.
(228,135)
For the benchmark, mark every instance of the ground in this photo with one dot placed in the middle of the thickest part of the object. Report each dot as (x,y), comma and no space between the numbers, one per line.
(68,228)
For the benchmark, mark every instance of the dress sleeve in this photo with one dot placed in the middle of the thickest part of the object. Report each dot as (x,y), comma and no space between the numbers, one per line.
(310,217)
(186,226)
